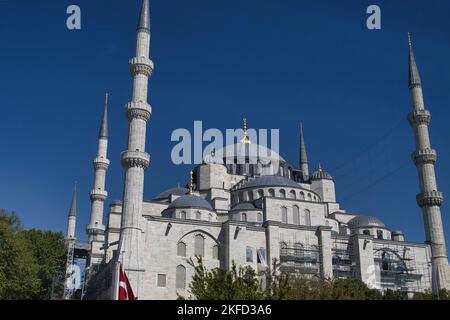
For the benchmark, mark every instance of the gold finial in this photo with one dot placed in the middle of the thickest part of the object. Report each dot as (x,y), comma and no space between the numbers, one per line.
(191,183)
(245,139)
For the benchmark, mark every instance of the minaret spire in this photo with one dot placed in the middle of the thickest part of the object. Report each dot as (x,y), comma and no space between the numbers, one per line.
(104,127)
(303,156)
(413,77)
(429,199)
(72,215)
(135,160)
(144,18)
(95,229)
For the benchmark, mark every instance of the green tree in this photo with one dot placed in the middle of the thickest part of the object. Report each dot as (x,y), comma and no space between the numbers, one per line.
(429,295)
(30,260)
(218,284)
(18,268)
(49,251)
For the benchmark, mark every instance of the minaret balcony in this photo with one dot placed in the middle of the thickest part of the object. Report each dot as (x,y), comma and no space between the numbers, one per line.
(93,229)
(135,159)
(429,199)
(418,117)
(97,194)
(101,163)
(139,110)
(141,65)
(424,156)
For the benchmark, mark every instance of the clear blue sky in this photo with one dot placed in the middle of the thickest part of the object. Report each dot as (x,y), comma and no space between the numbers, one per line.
(275,62)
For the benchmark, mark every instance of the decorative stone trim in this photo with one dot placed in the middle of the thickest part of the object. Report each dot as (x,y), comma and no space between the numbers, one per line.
(138,110)
(419,117)
(101,163)
(98,195)
(141,65)
(95,229)
(424,156)
(429,199)
(135,159)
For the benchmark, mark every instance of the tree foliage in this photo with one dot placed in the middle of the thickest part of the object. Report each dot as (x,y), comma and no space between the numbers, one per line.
(219,284)
(29,260)
(244,284)
(429,295)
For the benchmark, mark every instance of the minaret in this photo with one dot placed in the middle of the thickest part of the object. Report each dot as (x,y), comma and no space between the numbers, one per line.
(429,198)
(135,160)
(72,219)
(70,246)
(303,156)
(95,228)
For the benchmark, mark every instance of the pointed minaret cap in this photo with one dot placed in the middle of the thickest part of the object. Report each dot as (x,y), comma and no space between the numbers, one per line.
(73,206)
(104,127)
(413,74)
(144,19)
(303,155)
(191,183)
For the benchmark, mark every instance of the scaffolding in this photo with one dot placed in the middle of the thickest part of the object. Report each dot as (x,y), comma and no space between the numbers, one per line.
(69,279)
(300,258)
(400,270)
(343,259)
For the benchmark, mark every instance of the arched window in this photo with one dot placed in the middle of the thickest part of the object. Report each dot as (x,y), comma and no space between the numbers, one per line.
(260,193)
(249,254)
(199,245)
(181,249)
(298,248)
(366,232)
(283,248)
(181,277)
(282,193)
(250,196)
(259,217)
(284,218)
(309,197)
(379,234)
(241,197)
(215,251)
(327,223)
(302,195)
(183,215)
(307,217)
(296,215)
(210,216)
(244,217)
(271,193)
(198,215)
(292,194)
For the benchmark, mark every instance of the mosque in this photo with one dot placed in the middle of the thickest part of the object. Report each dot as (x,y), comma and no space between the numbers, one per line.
(252,210)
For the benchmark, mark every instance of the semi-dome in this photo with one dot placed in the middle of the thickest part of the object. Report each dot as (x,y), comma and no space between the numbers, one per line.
(365,221)
(321,175)
(190,201)
(244,206)
(270,181)
(178,191)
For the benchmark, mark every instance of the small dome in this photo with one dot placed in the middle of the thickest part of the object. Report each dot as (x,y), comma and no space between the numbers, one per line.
(179,191)
(190,201)
(269,181)
(321,175)
(397,232)
(244,206)
(365,221)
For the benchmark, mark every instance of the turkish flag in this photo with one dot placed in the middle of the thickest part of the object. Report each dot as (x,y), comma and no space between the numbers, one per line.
(125,291)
